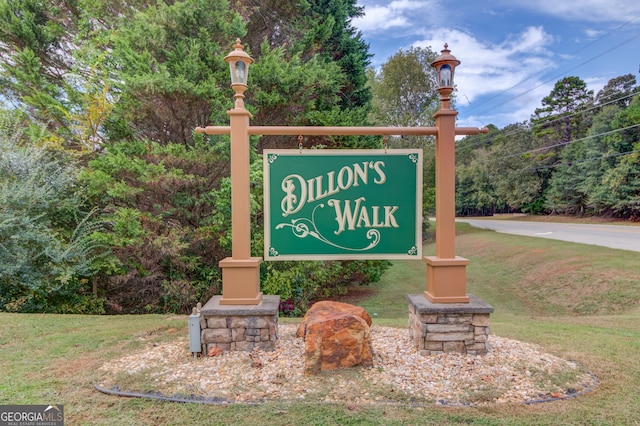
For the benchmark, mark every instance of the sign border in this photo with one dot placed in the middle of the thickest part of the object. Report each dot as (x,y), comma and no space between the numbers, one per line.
(268,256)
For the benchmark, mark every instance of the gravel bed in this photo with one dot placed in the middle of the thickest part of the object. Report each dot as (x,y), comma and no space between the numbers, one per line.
(512,372)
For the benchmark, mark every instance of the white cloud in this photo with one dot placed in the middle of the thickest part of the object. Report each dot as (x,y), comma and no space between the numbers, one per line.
(377,19)
(399,15)
(502,77)
(592,34)
(505,73)
(488,68)
(586,10)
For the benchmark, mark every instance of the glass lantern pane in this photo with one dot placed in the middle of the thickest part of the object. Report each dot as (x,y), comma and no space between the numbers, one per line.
(445,76)
(241,73)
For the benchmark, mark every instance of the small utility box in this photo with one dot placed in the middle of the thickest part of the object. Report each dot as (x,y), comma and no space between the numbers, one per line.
(194,333)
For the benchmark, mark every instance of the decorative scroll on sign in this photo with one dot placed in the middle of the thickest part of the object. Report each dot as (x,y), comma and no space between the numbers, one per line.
(343,204)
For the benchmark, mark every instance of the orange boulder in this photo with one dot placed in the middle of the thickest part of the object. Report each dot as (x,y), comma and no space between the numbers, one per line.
(336,335)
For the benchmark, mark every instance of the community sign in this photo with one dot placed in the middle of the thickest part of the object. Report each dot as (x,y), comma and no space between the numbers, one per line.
(343,204)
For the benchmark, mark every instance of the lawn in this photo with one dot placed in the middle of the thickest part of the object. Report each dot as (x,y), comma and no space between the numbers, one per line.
(576,301)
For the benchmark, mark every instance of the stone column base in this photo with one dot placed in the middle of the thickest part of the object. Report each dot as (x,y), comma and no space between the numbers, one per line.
(449,327)
(239,327)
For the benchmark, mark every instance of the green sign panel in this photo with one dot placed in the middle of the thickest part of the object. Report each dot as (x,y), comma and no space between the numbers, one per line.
(343,204)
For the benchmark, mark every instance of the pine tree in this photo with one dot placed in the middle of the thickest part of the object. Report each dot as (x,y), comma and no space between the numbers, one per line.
(618,91)
(562,117)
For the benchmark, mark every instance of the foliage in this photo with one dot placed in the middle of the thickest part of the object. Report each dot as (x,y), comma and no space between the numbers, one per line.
(170,212)
(282,88)
(48,250)
(618,91)
(561,117)
(33,43)
(328,89)
(167,223)
(405,89)
(41,73)
(618,191)
(613,186)
(169,62)
(309,29)
(573,157)
(127,81)
(121,85)
(519,184)
(405,95)
(476,195)
(329,33)
(161,68)
(162,61)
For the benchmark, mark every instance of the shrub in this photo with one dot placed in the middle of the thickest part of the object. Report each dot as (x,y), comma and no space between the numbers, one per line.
(169,209)
(162,203)
(47,250)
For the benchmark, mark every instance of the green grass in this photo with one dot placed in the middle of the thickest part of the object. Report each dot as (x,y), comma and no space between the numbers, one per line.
(576,301)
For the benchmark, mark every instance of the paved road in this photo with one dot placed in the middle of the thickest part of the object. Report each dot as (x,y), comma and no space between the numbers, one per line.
(614,236)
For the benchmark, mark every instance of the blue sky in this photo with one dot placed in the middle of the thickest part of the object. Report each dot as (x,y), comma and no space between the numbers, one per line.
(512,52)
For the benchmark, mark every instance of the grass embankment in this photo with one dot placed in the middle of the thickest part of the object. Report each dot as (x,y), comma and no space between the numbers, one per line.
(576,301)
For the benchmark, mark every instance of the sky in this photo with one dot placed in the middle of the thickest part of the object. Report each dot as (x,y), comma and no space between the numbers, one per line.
(512,52)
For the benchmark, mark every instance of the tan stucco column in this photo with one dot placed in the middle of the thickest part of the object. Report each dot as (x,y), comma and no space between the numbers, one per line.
(446,272)
(240,272)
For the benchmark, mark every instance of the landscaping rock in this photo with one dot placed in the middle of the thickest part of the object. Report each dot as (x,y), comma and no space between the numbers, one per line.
(336,335)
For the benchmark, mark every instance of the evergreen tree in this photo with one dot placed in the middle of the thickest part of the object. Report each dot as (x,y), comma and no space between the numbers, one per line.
(618,91)
(318,31)
(35,50)
(157,67)
(590,161)
(51,69)
(138,76)
(310,28)
(474,192)
(341,43)
(561,117)
(170,69)
(565,193)
(565,116)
